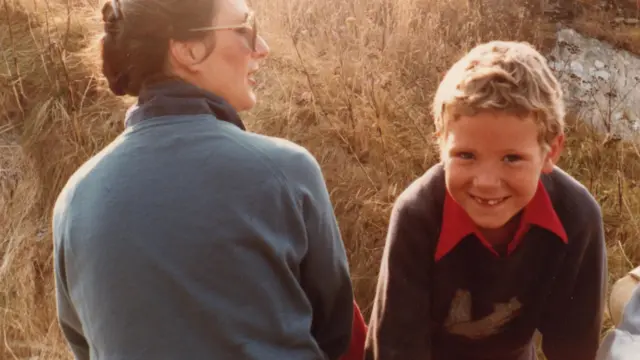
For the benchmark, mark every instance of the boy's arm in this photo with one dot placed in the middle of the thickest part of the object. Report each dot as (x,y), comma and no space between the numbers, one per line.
(573,322)
(399,327)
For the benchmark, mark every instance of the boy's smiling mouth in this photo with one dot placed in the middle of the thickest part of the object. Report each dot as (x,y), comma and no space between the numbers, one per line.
(489,201)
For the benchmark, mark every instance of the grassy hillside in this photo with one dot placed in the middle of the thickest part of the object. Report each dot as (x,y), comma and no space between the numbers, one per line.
(352,81)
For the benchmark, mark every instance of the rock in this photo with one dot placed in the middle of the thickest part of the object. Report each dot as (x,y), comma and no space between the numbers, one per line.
(598,80)
(602,75)
(577,69)
(626,21)
(557,65)
(617,116)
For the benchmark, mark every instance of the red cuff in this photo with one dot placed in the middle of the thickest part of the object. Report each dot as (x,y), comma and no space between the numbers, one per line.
(358,336)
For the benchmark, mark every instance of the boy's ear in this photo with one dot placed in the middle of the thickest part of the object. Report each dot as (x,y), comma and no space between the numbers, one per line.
(553,155)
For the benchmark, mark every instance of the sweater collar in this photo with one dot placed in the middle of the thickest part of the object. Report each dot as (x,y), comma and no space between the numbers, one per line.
(172,96)
(457,225)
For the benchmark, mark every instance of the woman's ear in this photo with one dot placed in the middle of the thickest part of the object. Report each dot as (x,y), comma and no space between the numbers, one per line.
(553,154)
(186,55)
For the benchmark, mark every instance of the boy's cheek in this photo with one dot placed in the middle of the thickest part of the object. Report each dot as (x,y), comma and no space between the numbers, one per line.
(454,169)
(449,170)
(455,177)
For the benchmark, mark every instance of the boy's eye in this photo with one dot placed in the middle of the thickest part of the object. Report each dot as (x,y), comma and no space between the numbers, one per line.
(464,155)
(512,158)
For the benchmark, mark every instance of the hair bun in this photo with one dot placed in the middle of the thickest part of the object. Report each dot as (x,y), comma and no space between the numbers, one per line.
(137,34)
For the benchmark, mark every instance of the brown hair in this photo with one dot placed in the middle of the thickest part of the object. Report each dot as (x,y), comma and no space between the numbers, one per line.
(135,42)
(502,76)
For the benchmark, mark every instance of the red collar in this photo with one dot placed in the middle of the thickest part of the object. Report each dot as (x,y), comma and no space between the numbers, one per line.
(456,224)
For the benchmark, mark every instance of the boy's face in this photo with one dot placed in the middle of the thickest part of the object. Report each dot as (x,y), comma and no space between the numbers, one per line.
(493,162)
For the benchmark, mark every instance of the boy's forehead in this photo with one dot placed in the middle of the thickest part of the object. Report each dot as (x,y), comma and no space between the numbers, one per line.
(492,131)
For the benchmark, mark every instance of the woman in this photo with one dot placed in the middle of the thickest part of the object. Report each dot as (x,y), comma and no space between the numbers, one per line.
(621,292)
(188,237)
(623,341)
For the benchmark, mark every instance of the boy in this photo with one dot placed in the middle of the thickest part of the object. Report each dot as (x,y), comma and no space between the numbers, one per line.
(494,242)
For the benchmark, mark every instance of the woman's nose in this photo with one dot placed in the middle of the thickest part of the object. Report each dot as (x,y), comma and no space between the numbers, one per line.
(262,49)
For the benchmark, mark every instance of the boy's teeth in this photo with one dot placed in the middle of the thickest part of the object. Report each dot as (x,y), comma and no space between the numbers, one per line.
(489,202)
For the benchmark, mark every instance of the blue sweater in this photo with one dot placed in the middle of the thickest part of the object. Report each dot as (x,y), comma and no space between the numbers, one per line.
(189,238)
(623,342)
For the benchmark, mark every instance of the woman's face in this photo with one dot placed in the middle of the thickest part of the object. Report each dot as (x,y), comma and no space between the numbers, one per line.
(229,70)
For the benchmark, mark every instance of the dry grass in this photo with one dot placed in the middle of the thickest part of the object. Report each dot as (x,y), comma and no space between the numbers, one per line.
(54,115)
(603,22)
(352,82)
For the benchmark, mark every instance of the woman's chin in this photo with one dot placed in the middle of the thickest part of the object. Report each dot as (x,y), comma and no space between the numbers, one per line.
(248,102)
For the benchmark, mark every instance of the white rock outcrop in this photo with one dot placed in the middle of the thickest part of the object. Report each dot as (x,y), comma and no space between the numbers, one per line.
(601,82)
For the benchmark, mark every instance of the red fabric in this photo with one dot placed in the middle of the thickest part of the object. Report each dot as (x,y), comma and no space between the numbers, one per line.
(456,224)
(358,336)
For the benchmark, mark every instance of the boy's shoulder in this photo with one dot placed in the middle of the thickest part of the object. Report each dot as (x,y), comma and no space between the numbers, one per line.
(425,195)
(574,204)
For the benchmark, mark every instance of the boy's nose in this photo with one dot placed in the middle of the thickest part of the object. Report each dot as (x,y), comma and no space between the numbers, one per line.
(487,179)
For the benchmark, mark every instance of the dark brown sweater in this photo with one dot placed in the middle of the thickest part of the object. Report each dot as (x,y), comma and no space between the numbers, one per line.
(470,303)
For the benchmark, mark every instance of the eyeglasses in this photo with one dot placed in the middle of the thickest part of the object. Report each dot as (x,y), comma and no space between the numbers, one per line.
(249,23)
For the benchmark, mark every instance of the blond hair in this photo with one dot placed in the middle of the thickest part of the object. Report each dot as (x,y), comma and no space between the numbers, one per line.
(502,76)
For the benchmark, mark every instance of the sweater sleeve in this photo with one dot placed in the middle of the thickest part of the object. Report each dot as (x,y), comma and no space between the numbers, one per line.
(399,327)
(324,271)
(67,316)
(571,327)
